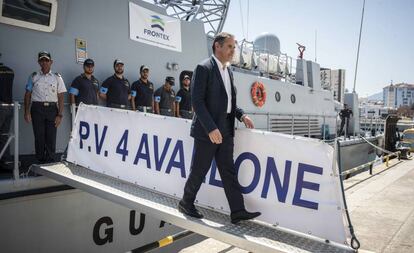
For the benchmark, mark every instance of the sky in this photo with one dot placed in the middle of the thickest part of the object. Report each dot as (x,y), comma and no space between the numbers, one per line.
(387,43)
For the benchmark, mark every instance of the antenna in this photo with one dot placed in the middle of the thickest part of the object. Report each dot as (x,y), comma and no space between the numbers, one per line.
(301,49)
(316,52)
(359,44)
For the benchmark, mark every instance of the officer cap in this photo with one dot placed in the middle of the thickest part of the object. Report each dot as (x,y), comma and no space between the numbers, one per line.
(118,61)
(186,77)
(170,80)
(43,54)
(88,62)
(143,67)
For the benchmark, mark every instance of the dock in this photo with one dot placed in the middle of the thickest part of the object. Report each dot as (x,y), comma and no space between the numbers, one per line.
(381,206)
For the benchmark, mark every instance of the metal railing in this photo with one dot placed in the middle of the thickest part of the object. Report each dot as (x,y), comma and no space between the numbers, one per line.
(298,122)
(284,63)
(372,124)
(361,167)
(13,136)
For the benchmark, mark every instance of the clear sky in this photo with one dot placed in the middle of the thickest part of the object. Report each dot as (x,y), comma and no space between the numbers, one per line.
(387,45)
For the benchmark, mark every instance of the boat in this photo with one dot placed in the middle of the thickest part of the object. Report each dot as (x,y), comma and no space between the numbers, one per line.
(51,216)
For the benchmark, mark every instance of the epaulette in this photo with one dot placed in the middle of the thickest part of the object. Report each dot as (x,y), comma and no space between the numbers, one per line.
(33,74)
(58,74)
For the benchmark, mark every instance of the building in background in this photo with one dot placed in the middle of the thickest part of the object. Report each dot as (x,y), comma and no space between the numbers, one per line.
(397,95)
(334,80)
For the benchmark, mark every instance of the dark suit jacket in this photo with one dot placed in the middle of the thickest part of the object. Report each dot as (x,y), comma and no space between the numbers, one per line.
(209,100)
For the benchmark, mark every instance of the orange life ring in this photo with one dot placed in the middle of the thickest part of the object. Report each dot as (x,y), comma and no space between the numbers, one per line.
(258,93)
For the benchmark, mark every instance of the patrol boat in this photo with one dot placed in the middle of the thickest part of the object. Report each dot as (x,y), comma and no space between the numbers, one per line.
(54,217)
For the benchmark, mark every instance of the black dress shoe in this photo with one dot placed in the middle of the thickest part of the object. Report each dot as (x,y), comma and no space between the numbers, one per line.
(238,216)
(189,210)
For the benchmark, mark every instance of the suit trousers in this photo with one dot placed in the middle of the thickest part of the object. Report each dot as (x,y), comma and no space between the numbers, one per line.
(204,152)
(43,120)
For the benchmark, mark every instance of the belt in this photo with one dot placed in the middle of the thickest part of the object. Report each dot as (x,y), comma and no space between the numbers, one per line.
(142,107)
(118,105)
(44,103)
(168,110)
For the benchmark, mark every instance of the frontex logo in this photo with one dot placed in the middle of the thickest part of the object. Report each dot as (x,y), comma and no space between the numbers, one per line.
(157,22)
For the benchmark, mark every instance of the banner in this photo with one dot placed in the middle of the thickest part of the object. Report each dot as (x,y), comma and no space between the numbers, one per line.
(154,29)
(291,180)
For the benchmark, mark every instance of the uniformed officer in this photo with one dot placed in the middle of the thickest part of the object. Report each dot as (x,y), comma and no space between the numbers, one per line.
(144,91)
(44,92)
(183,100)
(6,111)
(116,89)
(85,87)
(345,115)
(164,98)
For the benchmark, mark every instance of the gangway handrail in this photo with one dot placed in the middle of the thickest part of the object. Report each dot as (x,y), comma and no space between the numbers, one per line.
(252,236)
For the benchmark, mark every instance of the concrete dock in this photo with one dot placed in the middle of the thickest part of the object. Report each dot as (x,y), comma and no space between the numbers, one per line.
(381,207)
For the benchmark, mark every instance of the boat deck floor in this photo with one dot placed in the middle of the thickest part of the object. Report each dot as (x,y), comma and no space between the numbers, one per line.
(381,207)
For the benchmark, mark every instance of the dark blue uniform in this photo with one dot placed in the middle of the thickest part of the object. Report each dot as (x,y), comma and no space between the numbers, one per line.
(184,99)
(85,90)
(144,95)
(6,97)
(117,91)
(166,101)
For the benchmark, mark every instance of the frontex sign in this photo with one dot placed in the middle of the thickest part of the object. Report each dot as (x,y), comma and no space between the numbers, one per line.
(154,29)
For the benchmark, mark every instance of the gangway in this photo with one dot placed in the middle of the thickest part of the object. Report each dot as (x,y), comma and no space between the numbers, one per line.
(251,235)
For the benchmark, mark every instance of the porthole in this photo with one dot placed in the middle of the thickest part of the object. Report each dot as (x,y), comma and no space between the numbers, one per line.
(293,98)
(277,96)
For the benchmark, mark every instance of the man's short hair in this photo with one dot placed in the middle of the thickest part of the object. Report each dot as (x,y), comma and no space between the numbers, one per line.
(220,38)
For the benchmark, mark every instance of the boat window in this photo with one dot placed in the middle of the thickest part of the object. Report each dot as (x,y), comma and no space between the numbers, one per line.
(277,96)
(293,98)
(33,14)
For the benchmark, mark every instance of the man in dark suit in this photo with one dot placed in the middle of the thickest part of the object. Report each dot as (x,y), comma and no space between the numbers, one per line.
(214,102)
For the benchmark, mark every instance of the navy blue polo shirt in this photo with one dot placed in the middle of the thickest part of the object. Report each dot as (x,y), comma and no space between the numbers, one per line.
(184,99)
(144,93)
(165,98)
(116,90)
(85,90)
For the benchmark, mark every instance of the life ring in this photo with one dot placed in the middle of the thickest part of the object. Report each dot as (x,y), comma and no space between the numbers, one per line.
(258,93)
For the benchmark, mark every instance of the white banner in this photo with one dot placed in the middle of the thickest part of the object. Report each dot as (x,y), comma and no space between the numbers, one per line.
(291,180)
(154,29)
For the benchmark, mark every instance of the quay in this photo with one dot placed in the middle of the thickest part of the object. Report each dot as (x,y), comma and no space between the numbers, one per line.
(381,206)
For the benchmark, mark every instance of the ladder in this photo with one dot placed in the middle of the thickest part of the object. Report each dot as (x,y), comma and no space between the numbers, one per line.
(249,235)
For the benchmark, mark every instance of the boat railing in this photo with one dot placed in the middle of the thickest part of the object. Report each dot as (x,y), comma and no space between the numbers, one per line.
(372,124)
(308,125)
(280,67)
(12,136)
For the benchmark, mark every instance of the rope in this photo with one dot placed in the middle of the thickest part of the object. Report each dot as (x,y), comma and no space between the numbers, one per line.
(377,147)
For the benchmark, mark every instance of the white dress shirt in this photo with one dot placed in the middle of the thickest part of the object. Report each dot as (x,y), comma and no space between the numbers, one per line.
(225,76)
(45,87)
